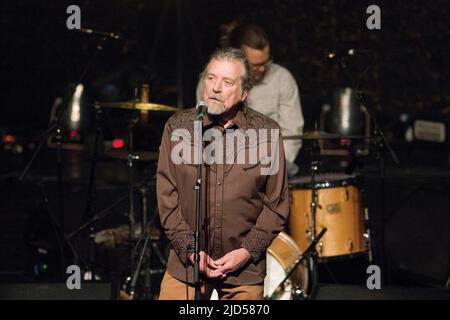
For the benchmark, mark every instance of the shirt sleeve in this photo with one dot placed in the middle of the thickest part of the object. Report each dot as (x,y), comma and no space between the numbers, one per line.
(290,114)
(177,230)
(274,214)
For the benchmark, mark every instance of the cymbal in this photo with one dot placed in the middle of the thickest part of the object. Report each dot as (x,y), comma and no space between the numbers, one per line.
(141,155)
(322,135)
(313,135)
(138,106)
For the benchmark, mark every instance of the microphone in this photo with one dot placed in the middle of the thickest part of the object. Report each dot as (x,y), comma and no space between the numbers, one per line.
(201,107)
(112,35)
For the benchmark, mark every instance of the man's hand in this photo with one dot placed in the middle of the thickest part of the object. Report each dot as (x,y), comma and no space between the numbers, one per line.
(232,261)
(208,266)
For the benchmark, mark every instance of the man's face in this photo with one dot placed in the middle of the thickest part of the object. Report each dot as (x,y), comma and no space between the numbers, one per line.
(223,83)
(259,61)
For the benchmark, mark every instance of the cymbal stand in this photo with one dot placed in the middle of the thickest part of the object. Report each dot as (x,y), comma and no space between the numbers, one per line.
(89,273)
(55,128)
(382,146)
(314,204)
(130,163)
(314,168)
(143,254)
(146,236)
(146,251)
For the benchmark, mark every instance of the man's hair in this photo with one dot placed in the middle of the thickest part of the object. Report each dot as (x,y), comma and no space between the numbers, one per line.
(233,54)
(248,34)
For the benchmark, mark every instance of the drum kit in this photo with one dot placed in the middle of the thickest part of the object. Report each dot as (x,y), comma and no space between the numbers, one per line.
(327,202)
(140,237)
(330,202)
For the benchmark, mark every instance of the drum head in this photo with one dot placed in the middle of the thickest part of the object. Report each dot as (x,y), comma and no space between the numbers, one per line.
(281,255)
(323,180)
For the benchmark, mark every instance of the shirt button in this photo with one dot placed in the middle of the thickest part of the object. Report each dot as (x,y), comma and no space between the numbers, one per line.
(219,183)
(217,227)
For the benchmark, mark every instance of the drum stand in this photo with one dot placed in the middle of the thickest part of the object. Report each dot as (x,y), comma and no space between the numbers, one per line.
(314,203)
(145,252)
(309,253)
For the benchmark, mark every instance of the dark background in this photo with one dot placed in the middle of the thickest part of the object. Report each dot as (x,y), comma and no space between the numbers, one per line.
(165,44)
(409,55)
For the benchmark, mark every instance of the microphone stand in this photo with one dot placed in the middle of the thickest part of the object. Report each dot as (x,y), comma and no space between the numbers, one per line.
(56,129)
(198,190)
(90,272)
(381,146)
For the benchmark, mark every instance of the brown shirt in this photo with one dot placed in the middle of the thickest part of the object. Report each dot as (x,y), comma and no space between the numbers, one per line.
(242,208)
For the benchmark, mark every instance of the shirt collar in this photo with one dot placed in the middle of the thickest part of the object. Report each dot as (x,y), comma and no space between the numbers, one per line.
(239,120)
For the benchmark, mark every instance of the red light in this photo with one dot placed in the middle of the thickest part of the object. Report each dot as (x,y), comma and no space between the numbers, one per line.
(73,133)
(9,138)
(118,143)
(345,141)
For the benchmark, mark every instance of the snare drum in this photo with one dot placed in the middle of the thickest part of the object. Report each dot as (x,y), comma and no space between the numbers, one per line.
(339,209)
(281,254)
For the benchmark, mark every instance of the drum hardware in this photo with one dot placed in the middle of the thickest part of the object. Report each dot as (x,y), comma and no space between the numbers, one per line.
(151,108)
(308,232)
(299,293)
(313,135)
(322,135)
(55,128)
(309,253)
(138,268)
(331,208)
(340,211)
(144,253)
(141,244)
(350,245)
(314,202)
(331,202)
(381,146)
(145,133)
(90,266)
(281,254)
